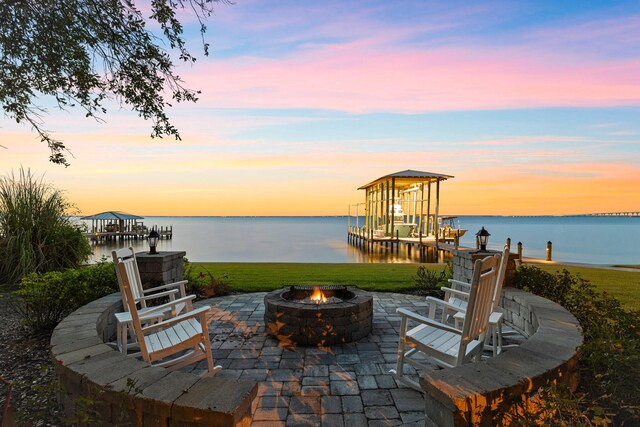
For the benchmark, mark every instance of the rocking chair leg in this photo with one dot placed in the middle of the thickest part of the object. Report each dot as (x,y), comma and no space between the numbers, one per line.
(494,339)
(207,351)
(398,372)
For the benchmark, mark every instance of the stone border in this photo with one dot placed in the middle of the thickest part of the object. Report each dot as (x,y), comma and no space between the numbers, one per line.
(486,393)
(86,366)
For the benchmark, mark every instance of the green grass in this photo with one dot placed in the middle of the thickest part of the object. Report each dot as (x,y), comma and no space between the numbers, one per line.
(624,285)
(257,277)
(627,266)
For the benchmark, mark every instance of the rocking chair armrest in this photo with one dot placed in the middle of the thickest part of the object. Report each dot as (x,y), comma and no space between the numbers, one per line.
(177,319)
(462,284)
(455,292)
(445,304)
(424,320)
(181,283)
(170,304)
(171,292)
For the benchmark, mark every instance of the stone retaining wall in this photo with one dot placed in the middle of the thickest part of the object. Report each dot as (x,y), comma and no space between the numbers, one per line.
(486,393)
(86,366)
(464,259)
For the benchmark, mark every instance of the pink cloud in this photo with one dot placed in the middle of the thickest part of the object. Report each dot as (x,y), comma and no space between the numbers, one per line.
(352,79)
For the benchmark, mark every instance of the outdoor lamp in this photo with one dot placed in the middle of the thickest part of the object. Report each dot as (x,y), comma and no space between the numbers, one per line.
(483,238)
(153,242)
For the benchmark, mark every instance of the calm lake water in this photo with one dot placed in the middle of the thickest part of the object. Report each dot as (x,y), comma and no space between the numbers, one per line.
(596,240)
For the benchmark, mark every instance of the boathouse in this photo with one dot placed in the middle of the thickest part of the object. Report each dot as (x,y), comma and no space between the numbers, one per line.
(115,225)
(115,222)
(399,207)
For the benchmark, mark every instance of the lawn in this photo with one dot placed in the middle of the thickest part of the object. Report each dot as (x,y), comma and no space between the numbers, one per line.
(624,285)
(255,277)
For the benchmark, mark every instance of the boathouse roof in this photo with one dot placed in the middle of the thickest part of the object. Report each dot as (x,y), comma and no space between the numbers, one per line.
(410,174)
(112,216)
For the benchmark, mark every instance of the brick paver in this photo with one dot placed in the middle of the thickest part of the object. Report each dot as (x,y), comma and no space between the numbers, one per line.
(339,385)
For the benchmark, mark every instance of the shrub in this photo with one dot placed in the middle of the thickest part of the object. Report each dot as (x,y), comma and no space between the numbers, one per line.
(35,233)
(609,389)
(44,299)
(429,282)
(203,283)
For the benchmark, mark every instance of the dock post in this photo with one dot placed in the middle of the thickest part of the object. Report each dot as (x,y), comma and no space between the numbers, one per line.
(520,251)
(397,241)
(456,241)
(509,243)
(365,240)
(549,244)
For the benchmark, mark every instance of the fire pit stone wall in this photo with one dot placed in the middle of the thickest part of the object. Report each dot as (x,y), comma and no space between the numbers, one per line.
(318,324)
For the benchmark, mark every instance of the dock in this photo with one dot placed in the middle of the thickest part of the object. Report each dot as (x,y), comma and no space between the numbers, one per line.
(116,225)
(425,247)
(402,209)
(100,235)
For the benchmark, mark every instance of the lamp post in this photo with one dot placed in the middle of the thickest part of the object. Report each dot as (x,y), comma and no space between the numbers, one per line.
(483,238)
(153,242)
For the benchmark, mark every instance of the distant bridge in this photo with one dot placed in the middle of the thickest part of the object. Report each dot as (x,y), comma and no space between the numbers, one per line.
(637,213)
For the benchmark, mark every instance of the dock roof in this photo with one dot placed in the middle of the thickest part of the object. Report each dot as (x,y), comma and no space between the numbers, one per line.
(112,216)
(410,174)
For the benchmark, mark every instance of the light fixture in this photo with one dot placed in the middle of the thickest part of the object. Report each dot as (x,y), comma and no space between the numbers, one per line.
(153,242)
(482,237)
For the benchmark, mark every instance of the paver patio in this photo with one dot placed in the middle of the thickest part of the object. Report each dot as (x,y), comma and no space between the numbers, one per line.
(339,385)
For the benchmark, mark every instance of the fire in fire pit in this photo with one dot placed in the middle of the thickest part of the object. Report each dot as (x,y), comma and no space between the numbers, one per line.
(327,294)
(317,296)
(318,315)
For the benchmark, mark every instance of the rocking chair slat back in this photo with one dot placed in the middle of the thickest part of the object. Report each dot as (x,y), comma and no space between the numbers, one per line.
(133,274)
(480,299)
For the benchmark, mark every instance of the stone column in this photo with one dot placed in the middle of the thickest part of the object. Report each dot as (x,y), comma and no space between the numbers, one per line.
(164,267)
(464,259)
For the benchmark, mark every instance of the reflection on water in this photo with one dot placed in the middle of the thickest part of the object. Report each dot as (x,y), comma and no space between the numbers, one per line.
(600,240)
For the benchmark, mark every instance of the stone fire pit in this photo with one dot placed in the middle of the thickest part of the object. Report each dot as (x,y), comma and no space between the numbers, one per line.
(291,317)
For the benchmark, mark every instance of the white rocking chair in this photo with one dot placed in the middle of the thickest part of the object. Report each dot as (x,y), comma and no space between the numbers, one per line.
(141,296)
(442,343)
(173,342)
(459,296)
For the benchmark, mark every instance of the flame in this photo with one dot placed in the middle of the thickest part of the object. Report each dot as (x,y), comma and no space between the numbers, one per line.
(318,296)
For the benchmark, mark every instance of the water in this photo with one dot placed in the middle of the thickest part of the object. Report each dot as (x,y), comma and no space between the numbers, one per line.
(595,240)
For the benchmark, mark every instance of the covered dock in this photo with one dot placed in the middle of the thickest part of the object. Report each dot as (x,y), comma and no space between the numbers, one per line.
(112,225)
(400,208)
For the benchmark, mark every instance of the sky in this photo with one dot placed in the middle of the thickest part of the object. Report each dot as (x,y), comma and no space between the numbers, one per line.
(533,107)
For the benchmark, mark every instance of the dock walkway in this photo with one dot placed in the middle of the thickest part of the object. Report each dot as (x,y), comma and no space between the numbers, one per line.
(426,247)
(101,235)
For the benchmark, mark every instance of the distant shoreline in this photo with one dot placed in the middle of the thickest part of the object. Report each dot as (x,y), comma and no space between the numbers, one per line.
(362,216)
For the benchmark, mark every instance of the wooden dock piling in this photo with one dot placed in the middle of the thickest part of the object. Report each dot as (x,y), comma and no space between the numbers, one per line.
(520,251)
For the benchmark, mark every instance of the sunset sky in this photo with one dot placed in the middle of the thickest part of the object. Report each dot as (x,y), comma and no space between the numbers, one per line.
(533,106)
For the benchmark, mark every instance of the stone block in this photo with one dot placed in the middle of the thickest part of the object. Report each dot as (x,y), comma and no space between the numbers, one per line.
(81,354)
(216,401)
(106,368)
